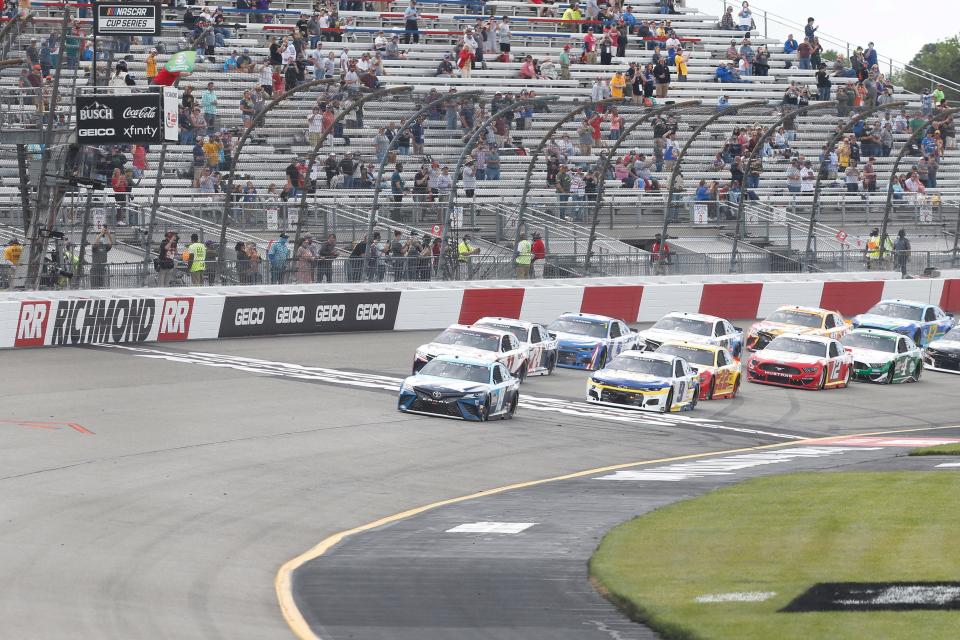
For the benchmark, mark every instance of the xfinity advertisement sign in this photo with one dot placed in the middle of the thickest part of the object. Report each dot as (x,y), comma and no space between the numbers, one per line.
(121,119)
(126,19)
(308,313)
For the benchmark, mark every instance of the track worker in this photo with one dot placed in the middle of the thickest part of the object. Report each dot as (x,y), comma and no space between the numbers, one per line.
(197,264)
(660,255)
(524,257)
(873,248)
(465,250)
(539,249)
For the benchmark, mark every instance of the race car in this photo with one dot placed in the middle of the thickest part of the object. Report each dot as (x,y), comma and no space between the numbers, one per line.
(921,321)
(458,387)
(718,370)
(806,361)
(588,341)
(883,356)
(693,327)
(645,380)
(541,347)
(479,343)
(943,354)
(801,320)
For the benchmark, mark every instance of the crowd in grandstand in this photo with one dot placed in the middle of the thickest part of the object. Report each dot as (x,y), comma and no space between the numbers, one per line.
(645,56)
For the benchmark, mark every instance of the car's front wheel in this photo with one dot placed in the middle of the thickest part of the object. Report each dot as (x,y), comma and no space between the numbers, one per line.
(823,379)
(917,370)
(668,404)
(551,362)
(513,407)
(485,410)
(522,372)
(696,398)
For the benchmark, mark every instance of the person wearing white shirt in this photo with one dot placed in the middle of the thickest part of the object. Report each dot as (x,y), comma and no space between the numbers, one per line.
(578,187)
(266,77)
(596,91)
(328,65)
(351,79)
(380,42)
(344,60)
(807,178)
(363,64)
(289,54)
(672,41)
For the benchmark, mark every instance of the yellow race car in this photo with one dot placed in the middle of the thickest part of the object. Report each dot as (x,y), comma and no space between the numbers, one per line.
(718,370)
(800,320)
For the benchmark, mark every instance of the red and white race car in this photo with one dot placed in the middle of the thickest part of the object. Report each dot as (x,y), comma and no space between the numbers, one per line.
(477,343)
(803,361)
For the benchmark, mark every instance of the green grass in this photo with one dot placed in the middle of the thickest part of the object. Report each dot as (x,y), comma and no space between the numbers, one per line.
(784,534)
(941,450)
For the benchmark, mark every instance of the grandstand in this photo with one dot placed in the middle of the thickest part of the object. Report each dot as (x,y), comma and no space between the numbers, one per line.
(777,216)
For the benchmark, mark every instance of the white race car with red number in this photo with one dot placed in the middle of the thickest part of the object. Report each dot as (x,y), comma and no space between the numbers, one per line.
(540,345)
(477,343)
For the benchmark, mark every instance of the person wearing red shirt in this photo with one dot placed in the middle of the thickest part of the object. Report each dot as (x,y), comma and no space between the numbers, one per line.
(595,121)
(660,255)
(539,251)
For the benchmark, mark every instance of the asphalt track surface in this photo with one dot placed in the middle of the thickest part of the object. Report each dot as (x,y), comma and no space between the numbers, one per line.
(208,465)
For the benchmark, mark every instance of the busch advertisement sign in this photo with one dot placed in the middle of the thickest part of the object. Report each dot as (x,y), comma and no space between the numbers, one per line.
(126,19)
(120,119)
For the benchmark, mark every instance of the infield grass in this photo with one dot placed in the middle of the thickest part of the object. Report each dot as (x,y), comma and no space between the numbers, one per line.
(783,534)
(940,450)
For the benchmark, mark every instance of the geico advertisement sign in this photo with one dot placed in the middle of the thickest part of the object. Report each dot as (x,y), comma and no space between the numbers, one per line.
(308,313)
(102,321)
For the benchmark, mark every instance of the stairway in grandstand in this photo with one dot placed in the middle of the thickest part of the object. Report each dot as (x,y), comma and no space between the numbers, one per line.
(627,214)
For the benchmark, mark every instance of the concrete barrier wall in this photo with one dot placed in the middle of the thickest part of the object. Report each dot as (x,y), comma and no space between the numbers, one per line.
(158,315)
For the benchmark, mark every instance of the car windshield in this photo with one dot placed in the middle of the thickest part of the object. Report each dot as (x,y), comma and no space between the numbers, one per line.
(894,310)
(688,325)
(519,332)
(798,318)
(456,371)
(474,339)
(659,368)
(796,345)
(953,334)
(591,328)
(703,357)
(870,341)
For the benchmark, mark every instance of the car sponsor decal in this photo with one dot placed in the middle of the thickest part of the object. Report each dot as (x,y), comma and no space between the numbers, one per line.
(308,313)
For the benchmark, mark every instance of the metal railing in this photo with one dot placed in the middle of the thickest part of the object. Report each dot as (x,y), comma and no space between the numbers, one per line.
(346,269)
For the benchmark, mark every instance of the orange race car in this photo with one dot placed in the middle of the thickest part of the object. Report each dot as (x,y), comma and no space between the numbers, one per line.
(800,320)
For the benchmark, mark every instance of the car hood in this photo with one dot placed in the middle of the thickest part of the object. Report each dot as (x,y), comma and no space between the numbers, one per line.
(786,357)
(444,385)
(662,335)
(883,322)
(438,349)
(946,345)
(871,355)
(576,340)
(629,379)
(776,328)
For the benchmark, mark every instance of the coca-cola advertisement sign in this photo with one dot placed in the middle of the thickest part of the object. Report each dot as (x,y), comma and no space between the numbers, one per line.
(130,118)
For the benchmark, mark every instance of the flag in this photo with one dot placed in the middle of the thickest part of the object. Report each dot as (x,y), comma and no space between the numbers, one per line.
(182,62)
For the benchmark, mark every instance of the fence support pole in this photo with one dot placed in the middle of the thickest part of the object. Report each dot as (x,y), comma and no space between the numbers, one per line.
(793,113)
(469,147)
(85,228)
(956,237)
(824,160)
(570,115)
(353,106)
(375,209)
(604,164)
(914,137)
(683,152)
(228,192)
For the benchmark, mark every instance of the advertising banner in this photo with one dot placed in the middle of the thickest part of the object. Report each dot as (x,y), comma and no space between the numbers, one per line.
(309,313)
(171,114)
(127,18)
(102,321)
(135,118)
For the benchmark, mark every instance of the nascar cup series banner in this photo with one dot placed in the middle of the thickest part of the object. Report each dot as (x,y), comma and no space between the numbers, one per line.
(127,18)
(137,118)
(309,313)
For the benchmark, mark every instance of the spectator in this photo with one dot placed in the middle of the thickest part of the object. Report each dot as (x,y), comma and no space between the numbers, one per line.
(326,254)
(209,106)
(790,45)
(661,76)
(539,252)
(101,246)
(745,17)
(118,182)
(823,82)
(852,177)
(810,31)
(277,256)
(804,51)
(901,251)
(410,17)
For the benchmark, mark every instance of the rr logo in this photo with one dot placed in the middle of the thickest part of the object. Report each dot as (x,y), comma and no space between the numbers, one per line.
(175,319)
(32,325)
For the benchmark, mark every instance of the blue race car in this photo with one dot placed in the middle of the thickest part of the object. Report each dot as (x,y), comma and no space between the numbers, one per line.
(646,380)
(588,341)
(455,387)
(920,321)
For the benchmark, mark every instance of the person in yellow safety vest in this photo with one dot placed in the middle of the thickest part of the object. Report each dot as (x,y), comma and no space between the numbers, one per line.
(465,249)
(524,257)
(198,259)
(873,247)
(13,251)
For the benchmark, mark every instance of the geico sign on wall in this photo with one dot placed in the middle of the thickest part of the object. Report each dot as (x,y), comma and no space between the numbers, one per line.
(102,321)
(125,119)
(308,313)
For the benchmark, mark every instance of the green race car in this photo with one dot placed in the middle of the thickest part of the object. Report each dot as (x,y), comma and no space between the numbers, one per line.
(883,356)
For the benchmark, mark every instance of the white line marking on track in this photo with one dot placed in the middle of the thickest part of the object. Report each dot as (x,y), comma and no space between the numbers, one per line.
(948,464)
(580,409)
(737,596)
(491,527)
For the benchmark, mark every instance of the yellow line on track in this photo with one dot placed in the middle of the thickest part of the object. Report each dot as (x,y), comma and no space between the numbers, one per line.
(283,582)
